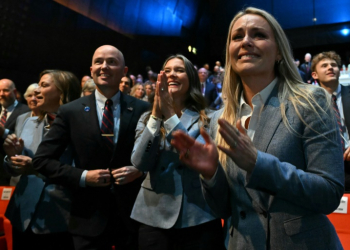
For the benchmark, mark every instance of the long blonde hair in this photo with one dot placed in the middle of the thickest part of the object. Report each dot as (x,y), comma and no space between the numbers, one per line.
(292,87)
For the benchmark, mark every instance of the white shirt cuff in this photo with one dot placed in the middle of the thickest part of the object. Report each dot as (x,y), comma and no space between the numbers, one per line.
(82,179)
(154,126)
(211,182)
(171,123)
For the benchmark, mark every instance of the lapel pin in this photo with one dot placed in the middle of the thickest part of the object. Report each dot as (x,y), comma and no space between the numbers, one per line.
(130,108)
(87,108)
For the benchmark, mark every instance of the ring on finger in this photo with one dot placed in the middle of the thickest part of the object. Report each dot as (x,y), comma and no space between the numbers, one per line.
(234,144)
(187,154)
(121,178)
(162,89)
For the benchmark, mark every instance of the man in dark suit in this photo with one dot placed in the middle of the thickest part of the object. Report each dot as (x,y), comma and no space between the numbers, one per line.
(101,205)
(10,110)
(208,89)
(325,69)
(306,68)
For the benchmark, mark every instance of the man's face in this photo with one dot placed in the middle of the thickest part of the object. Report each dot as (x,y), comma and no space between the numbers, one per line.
(107,67)
(124,85)
(202,74)
(307,58)
(7,93)
(326,72)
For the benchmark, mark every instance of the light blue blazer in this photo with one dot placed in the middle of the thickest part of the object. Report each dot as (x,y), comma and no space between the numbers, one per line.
(170,196)
(36,202)
(297,179)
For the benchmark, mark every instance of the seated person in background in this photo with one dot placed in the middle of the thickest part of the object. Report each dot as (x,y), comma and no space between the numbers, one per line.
(38,209)
(125,85)
(88,88)
(279,167)
(325,70)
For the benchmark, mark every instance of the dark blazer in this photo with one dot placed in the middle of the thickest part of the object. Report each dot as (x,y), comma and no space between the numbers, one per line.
(210,93)
(171,194)
(77,124)
(307,73)
(10,125)
(18,110)
(297,179)
(345,97)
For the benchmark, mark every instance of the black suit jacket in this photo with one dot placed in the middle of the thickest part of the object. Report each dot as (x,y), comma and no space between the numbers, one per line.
(77,124)
(10,125)
(210,93)
(345,97)
(307,73)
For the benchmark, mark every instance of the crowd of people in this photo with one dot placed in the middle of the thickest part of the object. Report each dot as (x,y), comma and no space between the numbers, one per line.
(114,160)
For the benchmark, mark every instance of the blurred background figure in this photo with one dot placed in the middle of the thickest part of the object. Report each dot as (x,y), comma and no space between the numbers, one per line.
(125,85)
(89,87)
(137,91)
(148,90)
(84,79)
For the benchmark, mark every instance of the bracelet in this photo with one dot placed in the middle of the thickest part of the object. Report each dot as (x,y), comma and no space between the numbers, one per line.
(156,118)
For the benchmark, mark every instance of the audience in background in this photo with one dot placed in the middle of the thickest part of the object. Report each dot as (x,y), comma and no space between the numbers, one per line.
(89,87)
(137,91)
(125,85)
(306,68)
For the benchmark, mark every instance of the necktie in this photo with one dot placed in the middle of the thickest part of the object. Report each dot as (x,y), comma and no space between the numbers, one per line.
(3,118)
(107,126)
(202,86)
(337,115)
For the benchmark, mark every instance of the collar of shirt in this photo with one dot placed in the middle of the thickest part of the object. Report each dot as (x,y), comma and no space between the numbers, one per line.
(337,92)
(258,102)
(10,108)
(101,100)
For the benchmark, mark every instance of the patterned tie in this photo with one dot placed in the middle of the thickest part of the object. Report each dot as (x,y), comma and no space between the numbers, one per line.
(107,126)
(337,115)
(3,118)
(202,86)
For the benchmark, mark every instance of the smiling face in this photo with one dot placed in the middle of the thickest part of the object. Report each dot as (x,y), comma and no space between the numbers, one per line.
(7,93)
(107,69)
(253,50)
(47,94)
(31,100)
(178,82)
(327,72)
(139,92)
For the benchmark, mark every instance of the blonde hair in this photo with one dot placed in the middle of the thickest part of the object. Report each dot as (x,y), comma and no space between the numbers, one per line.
(134,88)
(291,88)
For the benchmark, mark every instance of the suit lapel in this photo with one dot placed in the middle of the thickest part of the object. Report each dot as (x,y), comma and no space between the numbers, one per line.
(188,118)
(270,119)
(90,117)
(345,96)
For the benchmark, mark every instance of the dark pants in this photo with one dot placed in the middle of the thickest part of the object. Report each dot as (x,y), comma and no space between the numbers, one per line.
(207,236)
(52,241)
(115,234)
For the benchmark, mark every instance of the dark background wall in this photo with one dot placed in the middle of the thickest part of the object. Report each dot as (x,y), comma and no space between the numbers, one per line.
(41,34)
